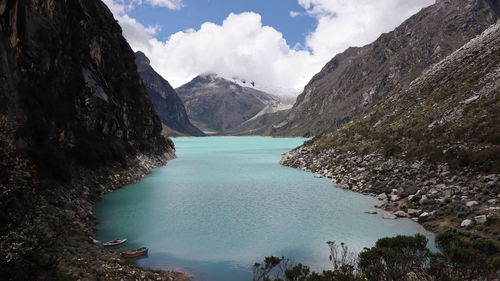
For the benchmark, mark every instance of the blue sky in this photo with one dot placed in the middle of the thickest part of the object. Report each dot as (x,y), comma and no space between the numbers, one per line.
(255,40)
(275,13)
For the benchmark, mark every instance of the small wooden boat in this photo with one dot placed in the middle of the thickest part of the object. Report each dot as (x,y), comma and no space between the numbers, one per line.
(115,242)
(135,253)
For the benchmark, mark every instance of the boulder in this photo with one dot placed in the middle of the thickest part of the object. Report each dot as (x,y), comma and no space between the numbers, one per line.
(424,215)
(466,223)
(480,219)
(491,184)
(414,212)
(394,197)
(382,196)
(389,216)
(492,201)
(490,178)
(401,214)
(472,203)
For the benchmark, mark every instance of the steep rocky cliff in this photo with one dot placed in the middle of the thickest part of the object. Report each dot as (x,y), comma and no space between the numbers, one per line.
(430,151)
(75,121)
(167,103)
(357,79)
(217,105)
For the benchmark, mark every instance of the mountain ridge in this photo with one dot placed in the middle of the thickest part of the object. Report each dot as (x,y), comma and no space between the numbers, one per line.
(75,123)
(219,105)
(167,103)
(358,78)
(431,151)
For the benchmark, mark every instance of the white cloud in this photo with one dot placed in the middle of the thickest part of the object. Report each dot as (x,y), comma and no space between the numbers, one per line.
(170,4)
(242,47)
(346,23)
(122,6)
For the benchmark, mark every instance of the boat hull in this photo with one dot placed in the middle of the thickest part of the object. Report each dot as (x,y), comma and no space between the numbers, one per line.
(114,243)
(134,254)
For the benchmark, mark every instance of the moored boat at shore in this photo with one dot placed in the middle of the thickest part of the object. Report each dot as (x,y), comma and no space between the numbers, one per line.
(115,242)
(135,253)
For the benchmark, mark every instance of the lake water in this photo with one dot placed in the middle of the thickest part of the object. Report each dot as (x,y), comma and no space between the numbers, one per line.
(225,203)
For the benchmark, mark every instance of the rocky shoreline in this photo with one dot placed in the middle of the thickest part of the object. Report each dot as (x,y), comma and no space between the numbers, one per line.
(58,239)
(437,197)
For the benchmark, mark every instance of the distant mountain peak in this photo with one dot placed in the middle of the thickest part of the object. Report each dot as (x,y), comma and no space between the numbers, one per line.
(217,104)
(167,103)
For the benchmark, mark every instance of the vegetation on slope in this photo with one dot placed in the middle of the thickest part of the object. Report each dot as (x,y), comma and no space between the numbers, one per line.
(395,259)
(450,114)
(354,81)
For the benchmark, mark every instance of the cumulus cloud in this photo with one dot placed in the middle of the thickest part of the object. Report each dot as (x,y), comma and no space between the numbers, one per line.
(243,47)
(345,23)
(240,47)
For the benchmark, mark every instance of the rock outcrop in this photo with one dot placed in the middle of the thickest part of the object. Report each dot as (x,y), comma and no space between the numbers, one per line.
(167,103)
(217,105)
(75,122)
(354,81)
(432,150)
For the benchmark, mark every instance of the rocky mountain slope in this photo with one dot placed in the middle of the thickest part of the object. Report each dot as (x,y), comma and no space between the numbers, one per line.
(354,81)
(430,151)
(261,125)
(75,122)
(217,105)
(167,103)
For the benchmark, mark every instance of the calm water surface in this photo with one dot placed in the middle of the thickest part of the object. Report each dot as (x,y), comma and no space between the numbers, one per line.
(226,203)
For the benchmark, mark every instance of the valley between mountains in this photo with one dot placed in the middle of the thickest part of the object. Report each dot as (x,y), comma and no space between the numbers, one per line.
(412,119)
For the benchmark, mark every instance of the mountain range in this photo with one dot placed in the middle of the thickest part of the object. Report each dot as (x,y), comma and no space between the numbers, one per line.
(427,147)
(412,118)
(75,122)
(355,80)
(431,151)
(218,105)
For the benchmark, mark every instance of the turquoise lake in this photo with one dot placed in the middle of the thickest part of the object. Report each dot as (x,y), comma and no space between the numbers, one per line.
(225,203)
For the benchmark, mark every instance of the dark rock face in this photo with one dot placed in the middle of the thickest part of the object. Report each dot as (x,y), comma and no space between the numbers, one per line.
(71,86)
(75,122)
(167,103)
(357,79)
(217,105)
